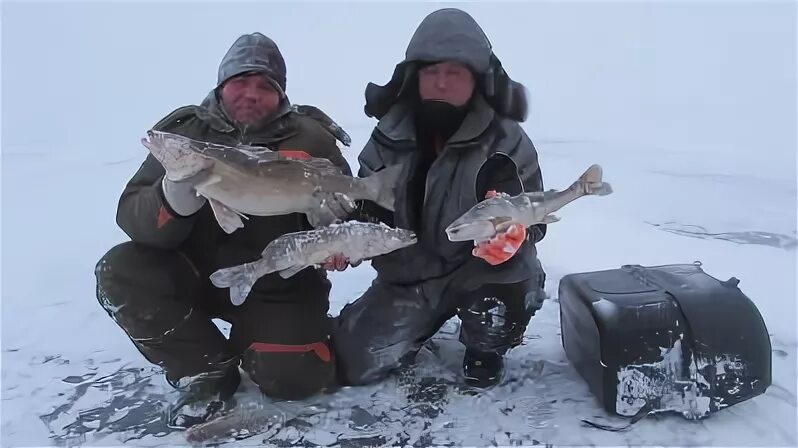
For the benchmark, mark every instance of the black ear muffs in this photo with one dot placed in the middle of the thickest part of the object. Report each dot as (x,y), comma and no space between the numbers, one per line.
(380,98)
(507,97)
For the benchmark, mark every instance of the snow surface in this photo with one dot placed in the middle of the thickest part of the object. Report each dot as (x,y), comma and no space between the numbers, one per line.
(689,107)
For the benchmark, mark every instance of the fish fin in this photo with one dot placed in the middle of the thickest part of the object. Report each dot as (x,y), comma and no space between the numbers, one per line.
(228,219)
(538,196)
(320,217)
(239,279)
(221,152)
(550,219)
(593,174)
(293,270)
(600,189)
(175,154)
(210,180)
(324,166)
(244,157)
(381,186)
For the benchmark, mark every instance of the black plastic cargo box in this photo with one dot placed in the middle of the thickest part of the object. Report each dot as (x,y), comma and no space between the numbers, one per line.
(671,337)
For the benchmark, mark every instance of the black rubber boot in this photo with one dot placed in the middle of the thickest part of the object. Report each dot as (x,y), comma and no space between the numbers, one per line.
(204,397)
(482,369)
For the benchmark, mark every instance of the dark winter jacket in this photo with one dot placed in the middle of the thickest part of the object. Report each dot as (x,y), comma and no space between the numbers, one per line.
(146,217)
(489,151)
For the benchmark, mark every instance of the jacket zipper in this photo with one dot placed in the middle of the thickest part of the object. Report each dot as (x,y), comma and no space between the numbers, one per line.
(440,149)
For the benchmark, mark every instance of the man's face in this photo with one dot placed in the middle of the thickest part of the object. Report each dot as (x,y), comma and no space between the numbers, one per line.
(250,98)
(446,81)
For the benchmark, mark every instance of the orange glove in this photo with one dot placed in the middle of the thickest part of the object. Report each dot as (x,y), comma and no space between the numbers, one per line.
(501,247)
(293,154)
(504,245)
(335,262)
(338,262)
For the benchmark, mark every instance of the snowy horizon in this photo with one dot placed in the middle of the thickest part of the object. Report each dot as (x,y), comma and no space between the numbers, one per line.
(689,107)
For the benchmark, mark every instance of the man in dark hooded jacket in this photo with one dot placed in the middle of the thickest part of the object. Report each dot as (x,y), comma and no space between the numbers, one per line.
(156,287)
(450,115)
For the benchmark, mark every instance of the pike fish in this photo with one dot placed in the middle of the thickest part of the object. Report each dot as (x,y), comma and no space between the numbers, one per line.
(485,219)
(293,252)
(251,180)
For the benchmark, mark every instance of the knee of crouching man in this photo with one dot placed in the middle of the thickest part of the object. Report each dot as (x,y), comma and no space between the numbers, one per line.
(290,372)
(367,363)
(104,272)
(141,288)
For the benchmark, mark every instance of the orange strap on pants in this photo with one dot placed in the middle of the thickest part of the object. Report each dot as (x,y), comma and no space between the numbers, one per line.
(319,348)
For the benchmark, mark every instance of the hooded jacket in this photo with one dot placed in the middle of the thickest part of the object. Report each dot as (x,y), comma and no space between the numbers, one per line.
(488,151)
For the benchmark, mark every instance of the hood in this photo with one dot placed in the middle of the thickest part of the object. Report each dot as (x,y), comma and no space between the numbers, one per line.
(253,53)
(451,34)
(249,53)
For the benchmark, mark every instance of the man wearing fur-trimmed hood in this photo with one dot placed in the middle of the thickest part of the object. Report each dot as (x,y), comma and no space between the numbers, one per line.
(450,116)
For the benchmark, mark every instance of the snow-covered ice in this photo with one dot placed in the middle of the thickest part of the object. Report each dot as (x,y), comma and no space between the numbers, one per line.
(689,107)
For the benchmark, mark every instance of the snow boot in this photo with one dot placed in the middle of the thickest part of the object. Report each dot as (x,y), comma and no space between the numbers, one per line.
(204,396)
(482,369)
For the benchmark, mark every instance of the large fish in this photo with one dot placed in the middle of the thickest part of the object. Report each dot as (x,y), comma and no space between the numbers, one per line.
(295,251)
(483,220)
(249,180)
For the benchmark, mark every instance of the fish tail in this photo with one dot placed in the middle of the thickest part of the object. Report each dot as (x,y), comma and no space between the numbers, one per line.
(381,186)
(239,279)
(591,182)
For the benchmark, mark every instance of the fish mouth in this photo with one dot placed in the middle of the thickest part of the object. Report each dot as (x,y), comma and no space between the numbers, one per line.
(475,229)
(471,230)
(404,240)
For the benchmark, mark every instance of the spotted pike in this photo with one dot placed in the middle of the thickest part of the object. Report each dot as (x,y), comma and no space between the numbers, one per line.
(295,251)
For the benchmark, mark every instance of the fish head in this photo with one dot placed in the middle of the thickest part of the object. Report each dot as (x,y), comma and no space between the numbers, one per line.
(388,239)
(397,238)
(482,221)
(177,154)
(167,141)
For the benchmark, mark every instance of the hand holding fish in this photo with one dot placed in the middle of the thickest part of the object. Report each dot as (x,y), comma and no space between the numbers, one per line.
(505,244)
(333,207)
(339,262)
(494,215)
(181,195)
